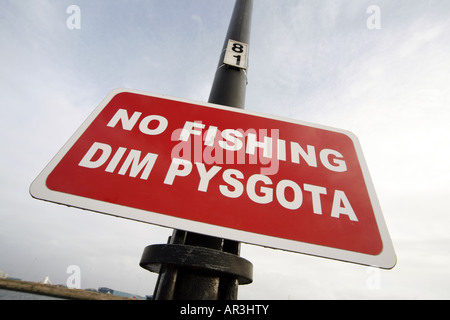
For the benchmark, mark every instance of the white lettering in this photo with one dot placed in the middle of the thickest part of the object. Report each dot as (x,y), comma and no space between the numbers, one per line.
(315,194)
(238,143)
(162,125)
(87,161)
(231,135)
(236,184)
(129,123)
(263,194)
(122,116)
(115,160)
(281,150)
(309,157)
(205,176)
(338,165)
(281,196)
(337,210)
(192,310)
(266,145)
(133,159)
(189,129)
(210,136)
(174,170)
(251,189)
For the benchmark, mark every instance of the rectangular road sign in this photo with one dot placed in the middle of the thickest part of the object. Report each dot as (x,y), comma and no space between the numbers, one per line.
(224,172)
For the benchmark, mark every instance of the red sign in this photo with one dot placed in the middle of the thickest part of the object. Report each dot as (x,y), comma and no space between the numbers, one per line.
(225,172)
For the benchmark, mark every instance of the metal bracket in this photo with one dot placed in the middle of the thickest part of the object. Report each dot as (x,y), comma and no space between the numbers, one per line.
(197,258)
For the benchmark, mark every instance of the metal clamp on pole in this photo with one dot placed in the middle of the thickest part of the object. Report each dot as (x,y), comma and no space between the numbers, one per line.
(196,267)
(199,259)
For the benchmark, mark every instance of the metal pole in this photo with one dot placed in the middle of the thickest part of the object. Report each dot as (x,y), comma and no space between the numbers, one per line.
(230,84)
(198,267)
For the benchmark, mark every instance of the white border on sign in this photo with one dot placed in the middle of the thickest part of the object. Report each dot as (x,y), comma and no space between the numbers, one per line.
(386,259)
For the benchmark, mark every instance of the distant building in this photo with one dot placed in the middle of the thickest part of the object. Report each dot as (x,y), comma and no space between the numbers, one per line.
(120,293)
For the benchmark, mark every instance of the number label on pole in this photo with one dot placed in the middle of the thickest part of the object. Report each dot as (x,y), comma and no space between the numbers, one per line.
(236,54)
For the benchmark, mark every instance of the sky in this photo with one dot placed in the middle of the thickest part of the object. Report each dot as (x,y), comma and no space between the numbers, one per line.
(379,69)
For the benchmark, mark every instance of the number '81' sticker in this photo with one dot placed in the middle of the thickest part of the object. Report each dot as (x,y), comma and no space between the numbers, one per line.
(236,54)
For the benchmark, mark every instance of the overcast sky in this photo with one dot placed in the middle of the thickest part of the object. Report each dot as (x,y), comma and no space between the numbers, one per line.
(327,62)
